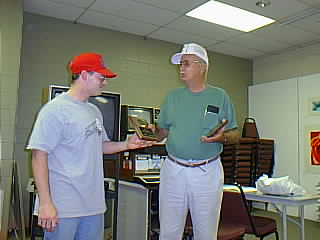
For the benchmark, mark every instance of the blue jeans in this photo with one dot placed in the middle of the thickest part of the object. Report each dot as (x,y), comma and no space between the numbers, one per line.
(78,228)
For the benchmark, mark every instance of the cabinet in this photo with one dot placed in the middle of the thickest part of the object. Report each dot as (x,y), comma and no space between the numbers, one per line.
(137,162)
(138,211)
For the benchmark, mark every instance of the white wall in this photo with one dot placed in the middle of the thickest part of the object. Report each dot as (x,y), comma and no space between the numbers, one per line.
(308,87)
(282,110)
(299,63)
(274,106)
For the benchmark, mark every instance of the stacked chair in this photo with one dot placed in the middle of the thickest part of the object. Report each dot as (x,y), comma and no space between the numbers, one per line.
(265,157)
(246,160)
(238,162)
(228,163)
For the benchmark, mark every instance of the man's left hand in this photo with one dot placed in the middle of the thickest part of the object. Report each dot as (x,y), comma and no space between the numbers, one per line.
(219,137)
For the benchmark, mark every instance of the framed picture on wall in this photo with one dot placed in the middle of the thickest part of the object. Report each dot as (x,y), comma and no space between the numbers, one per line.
(314,106)
(312,148)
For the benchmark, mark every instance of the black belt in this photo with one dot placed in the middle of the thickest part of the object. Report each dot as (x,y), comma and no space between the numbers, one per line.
(197,164)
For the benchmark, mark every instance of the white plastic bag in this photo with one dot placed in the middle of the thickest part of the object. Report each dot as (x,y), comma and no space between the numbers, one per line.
(279,186)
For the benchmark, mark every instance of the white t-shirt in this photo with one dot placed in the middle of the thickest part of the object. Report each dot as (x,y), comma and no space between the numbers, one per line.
(72,133)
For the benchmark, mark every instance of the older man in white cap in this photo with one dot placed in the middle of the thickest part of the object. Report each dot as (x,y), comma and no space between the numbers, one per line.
(192,175)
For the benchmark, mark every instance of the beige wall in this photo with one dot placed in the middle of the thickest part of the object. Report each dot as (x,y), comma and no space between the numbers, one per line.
(145,73)
(10,46)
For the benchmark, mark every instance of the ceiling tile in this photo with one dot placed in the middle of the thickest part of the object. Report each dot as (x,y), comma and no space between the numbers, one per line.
(52,9)
(135,11)
(116,23)
(75,3)
(287,34)
(251,41)
(165,20)
(233,50)
(311,23)
(202,28)
(180,37)
(277,9)
(180,6)
(311,2)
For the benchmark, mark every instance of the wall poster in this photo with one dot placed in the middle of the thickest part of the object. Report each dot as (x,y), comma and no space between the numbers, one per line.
(312,148)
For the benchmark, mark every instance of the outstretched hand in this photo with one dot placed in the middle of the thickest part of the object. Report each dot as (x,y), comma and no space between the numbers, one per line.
(135,142)
(217,137)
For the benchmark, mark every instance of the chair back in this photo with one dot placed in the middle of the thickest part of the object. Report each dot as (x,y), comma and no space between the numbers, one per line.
(250,129)
(234,208)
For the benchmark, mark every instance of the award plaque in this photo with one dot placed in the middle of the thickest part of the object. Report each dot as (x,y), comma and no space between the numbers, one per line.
(141,127)
(217,128)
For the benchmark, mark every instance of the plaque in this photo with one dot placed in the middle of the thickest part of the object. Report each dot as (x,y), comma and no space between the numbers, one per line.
(141,127)
(217,128)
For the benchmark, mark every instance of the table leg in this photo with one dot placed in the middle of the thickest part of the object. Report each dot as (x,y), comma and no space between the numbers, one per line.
(284,222)
(301,213)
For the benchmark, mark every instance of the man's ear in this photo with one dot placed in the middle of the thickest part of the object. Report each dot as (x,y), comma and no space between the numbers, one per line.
(203,68)
(84,75)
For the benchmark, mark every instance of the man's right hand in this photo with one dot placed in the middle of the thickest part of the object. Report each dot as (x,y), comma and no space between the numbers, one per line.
(48,217)
(161,133)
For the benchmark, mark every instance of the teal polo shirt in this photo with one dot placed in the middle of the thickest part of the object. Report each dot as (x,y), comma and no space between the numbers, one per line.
(188,116)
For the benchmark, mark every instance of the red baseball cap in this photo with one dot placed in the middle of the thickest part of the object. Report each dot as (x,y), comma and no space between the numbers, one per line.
(90,62)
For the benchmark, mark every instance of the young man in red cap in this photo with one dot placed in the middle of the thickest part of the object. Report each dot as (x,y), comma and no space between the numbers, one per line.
(67,142)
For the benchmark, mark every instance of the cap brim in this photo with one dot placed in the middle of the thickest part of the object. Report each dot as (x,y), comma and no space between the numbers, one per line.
(106,72)
(176,58)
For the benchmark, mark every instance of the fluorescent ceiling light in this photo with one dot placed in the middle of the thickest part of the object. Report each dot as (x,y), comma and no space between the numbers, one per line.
(229,16)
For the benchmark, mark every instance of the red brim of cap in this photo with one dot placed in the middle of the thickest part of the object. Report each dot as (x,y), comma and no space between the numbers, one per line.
(106,72)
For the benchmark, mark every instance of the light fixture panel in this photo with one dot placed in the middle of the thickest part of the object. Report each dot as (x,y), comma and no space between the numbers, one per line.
(229,16)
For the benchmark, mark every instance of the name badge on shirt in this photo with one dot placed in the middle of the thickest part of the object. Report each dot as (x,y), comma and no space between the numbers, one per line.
(212,109)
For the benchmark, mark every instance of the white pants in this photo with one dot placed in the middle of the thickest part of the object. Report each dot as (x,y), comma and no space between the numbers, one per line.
(199,189)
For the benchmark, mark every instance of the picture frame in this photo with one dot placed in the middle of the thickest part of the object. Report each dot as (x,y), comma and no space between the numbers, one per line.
(312,148)
(314,106)
(141,127)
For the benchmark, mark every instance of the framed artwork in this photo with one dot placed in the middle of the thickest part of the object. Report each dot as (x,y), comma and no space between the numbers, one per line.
(312,148)
(314,106)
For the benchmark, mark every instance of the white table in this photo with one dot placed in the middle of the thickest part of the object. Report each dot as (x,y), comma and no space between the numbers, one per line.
(298,201)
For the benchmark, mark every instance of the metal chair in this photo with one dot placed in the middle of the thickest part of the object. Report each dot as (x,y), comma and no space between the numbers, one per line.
(235,210)
(226,231)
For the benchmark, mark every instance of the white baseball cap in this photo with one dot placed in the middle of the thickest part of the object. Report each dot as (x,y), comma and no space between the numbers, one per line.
(190,48)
